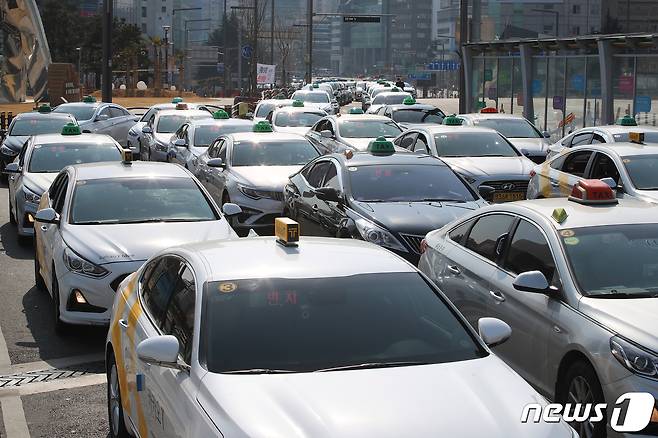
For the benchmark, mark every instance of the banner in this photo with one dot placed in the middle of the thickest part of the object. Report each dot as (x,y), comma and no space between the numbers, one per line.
(265,73)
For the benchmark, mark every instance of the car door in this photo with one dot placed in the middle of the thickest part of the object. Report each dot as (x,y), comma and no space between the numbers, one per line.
(15,179)
(468,266)
(122,122)
(308,205)
(103,123)
(331,214)
(603,166)
(179,153)
(50,233)
(529,314)
(557,179)
(217,176)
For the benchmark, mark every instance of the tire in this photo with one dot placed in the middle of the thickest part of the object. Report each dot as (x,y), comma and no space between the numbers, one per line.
(12,218)
(38,279)
(581,385)
(60,326)
(114,409)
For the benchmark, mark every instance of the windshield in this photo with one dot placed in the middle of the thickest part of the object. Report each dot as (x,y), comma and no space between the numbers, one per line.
(391,99)
(38,126)
(634,248)
(80,112)
(643,171)
(473,144)
(168,124)
(312,97)
(510,128)
(272,153)
(297,119)
(311,324)
(52,158)
(418,116)
(149,113)
(138,200)
(264,109)
(410,183)
(368,128)
(204,135)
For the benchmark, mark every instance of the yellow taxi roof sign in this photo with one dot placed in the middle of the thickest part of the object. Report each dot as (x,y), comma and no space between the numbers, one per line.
(636,137)
(286,231)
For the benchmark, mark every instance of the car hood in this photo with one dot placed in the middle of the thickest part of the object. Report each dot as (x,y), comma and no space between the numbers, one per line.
(137,128)
(322,106)
(475,398)
(634,319)
(39,182)
(301,130)
(491,166)
(135,242)
(265,177)
(418,218)
(15,142)
(536,146)
(360,144)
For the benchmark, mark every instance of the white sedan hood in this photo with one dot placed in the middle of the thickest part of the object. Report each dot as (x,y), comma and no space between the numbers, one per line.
(39,182)
(265,177)
(469,399)
(360,144)
(136,242)
(301,130)
(491,166)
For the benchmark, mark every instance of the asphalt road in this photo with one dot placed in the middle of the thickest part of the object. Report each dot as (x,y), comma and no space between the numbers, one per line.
(61,390)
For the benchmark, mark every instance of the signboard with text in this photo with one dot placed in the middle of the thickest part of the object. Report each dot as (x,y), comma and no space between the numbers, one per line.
(265,73)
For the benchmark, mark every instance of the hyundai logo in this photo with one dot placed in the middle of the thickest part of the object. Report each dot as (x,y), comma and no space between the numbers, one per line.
(508,186)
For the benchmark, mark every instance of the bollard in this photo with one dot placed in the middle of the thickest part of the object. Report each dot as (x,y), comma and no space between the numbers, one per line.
(3,120)
(10,117)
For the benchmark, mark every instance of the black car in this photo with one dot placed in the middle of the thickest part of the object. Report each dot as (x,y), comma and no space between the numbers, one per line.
(412,113)
(390,199)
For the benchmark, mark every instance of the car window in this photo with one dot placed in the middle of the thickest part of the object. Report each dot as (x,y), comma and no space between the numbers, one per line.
(21,155)
(179,317)
(316,175)
(60,196)
(222,150)
(582,138)
(457,234)
(105,112)
(642,170)
(473,144)
(331,178)
(36,126)
(117,112)
(576,163)
(52,191)
(421,145)
(486,236)
(158,285)
(407,141)
(529,251)
(604,167)
(596,138)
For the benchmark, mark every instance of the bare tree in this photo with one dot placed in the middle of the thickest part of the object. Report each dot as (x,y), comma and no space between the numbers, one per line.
(285,36)
(252,19)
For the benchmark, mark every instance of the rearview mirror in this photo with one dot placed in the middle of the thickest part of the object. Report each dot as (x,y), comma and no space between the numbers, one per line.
(216,162)
(531,281)
(493,331)
(326,134)
(328,194)
(230,209)
(12,168)
(180,143)
(47,216)
(487,193)
(159,350)
(147,130)
(546,134)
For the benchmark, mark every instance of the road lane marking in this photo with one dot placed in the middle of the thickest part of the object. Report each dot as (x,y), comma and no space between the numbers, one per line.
(13,415)
(58,363)
(56,385)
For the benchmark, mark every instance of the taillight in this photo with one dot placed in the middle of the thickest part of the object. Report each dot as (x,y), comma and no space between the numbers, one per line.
(532,173)
(423,246)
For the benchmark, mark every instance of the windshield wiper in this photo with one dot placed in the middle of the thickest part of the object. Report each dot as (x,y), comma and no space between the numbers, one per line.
(96,222)
(370,365)
(258,371)
(625,295)
(441,200)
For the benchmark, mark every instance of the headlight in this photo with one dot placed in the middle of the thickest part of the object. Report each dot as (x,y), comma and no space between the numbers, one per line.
(8,151)
(31,197)
(634,358)
(81,266)
(375,234)
(255,193)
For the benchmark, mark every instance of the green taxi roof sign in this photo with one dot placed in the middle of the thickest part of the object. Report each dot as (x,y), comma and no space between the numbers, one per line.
(409,100)
(89,99)
(356,110)
(316,85)
(452,120)
(71,129)
(627,121)
(298,103)
(395,90)
(559,215)
(176,100)
(381,146)
(262,126)
(44,108)
(220,114)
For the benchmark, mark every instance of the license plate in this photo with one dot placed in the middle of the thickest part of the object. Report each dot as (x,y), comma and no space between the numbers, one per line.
(508,196)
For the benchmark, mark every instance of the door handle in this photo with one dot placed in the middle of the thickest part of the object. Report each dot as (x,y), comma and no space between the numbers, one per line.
(123,323)
(315,207)
(44,228)
(555,183)
(455,270)
(497,296)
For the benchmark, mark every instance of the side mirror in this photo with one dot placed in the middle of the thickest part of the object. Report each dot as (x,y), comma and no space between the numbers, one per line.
(102,117)
(487,193)
(230,209)
(326,134)
(546,134)
(147,130)
(12,168)
(493,331)
(525,152)
(328,194)
(47,216)
(531,281)
(610,182)
(159,350)
(180,143)
(216,162)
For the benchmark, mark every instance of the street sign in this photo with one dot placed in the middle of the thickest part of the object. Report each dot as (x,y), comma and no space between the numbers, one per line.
(246,52)
(220,67)
(537,86)
(578,82)
(443,65)
(558,102)
(642,104)
(361,19)
(419,76)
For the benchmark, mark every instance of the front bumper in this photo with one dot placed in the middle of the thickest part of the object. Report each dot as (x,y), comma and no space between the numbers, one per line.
(632,383)
(257,213)
(98,292)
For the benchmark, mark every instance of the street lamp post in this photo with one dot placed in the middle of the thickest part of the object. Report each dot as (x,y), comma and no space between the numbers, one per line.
(79,50)
(166,44)
(106,89)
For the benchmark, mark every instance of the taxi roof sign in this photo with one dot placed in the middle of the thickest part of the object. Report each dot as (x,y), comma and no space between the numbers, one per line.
(263,126)
(381,146)
(71,129)
(220,114)
(181,106)
(89,99)
(592,192)
(44,108)
(559,215)
(489,110)
(395,90)
(409,100)
(297,103)
(626,121)
(177,100)
(356,110)
(452,120)
(316,85)
(636,137)
(127,157)
(286,231)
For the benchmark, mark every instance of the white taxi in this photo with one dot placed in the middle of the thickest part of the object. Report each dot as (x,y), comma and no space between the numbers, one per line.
(99,222)
(295,119)
(259,338)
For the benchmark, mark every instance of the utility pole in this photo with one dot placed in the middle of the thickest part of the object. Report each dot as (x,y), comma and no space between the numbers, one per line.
(106,88)
(309,42)
(166,44)
(463,39)
(254,56)
(272,36)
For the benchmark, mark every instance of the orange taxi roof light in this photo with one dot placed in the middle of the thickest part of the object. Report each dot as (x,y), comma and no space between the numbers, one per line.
(489,110)
(592,192)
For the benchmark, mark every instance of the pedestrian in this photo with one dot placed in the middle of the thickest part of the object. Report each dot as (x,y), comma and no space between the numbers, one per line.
(399,83)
